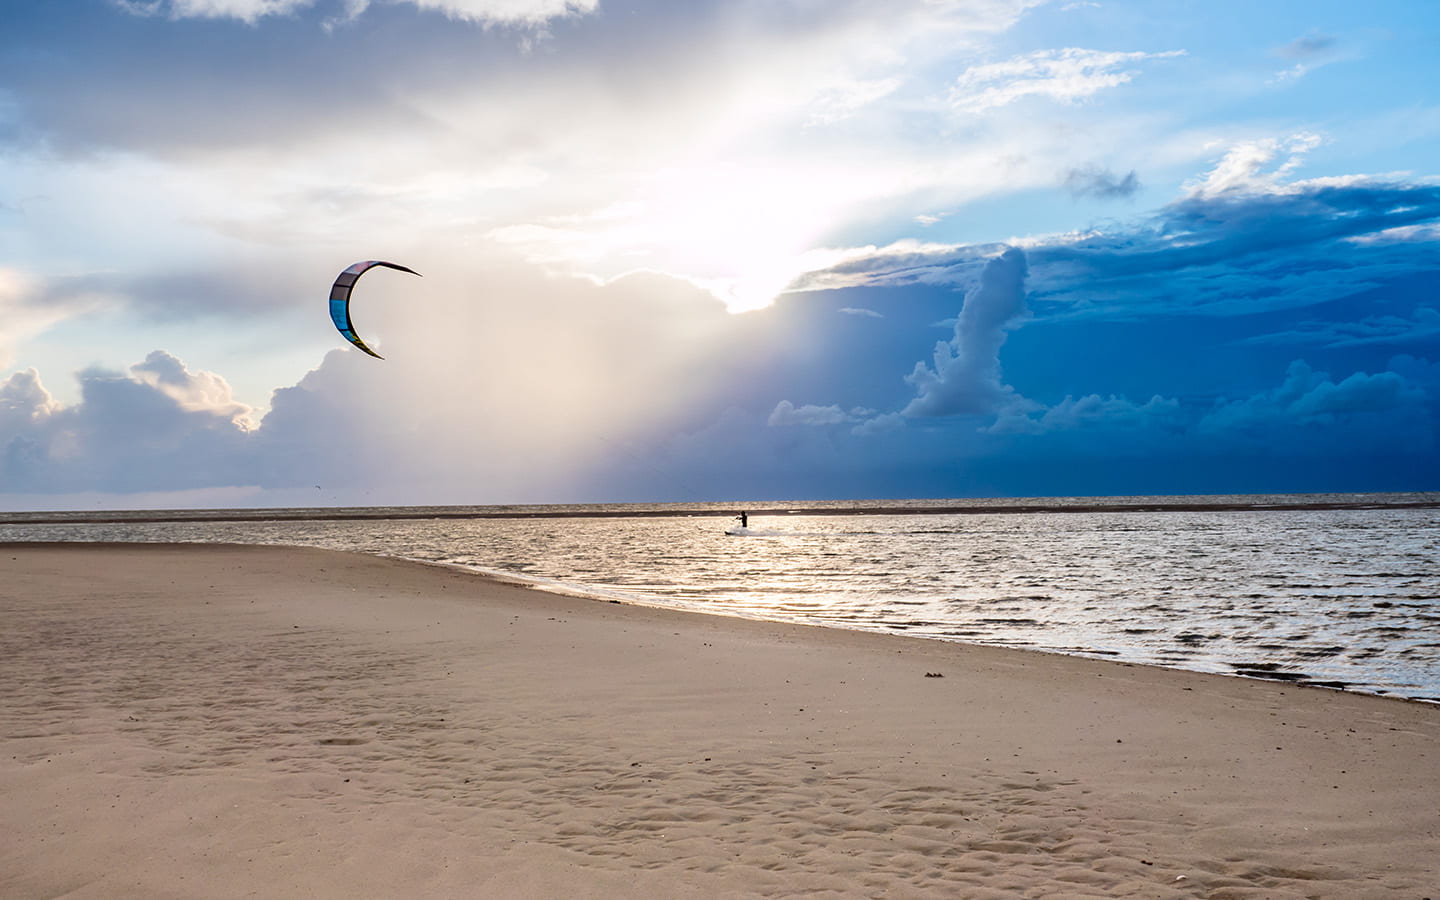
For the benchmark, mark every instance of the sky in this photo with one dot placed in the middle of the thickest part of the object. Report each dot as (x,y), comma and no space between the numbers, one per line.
(716,250)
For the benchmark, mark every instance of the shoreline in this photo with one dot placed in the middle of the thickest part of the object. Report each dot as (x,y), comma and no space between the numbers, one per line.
(1252,672)
(227,720)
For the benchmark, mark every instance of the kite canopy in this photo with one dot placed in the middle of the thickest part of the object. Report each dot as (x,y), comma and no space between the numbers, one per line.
(340,299)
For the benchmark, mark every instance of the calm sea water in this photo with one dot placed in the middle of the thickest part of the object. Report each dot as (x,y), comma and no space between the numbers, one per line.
(1346,597)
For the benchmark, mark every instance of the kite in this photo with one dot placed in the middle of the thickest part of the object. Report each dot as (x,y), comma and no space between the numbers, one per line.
(340,299)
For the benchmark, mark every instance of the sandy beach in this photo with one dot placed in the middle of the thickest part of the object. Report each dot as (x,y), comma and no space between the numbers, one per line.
(244,721)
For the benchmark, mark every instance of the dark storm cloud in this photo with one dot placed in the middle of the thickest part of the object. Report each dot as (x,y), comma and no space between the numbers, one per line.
(1233,229)
(1229,253)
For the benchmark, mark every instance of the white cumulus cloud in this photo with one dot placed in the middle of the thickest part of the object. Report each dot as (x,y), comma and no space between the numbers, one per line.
(1247,167)
(965,378)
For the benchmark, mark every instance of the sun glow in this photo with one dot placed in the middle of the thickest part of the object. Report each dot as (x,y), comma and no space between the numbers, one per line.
(743,233)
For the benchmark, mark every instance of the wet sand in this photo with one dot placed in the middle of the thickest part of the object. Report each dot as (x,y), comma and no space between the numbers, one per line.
(234,721)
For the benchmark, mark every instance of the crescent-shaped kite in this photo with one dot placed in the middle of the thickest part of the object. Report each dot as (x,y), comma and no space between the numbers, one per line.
(340,299)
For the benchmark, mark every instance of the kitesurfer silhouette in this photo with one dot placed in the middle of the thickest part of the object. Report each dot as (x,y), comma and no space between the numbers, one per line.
(744,520)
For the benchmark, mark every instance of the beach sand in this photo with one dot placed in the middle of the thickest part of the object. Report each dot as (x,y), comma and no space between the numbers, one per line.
(238,721)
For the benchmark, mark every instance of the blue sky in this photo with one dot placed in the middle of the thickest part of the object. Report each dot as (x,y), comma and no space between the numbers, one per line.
(716,250)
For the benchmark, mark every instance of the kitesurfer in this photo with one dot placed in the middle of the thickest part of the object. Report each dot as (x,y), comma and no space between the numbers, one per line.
(744,520)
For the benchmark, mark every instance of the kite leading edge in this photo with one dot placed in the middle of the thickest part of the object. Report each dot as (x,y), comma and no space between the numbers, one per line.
(340,299)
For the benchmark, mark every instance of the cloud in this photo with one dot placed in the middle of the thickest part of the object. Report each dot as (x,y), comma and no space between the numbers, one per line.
(577,203)
(192,391)
(844,100)
(905,262)
(1244,239)
(477,394)
(248,11)
(1308,52)
(1243,170)
(1094,181)
(224,290)
(161,427)
(1068,75)
(24,402)
(1241,239)
(1096,412)
(406,125)
(31,304)
(965,378)
(1428,233)
(1308,397)
(481,397)
(410,127)
(1422,324)
(526,12)
(508,12)
(1307,47)
(880,424)
(787,413)
(26,310)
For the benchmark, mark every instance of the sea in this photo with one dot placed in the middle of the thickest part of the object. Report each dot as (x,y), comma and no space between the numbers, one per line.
(1337,591)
